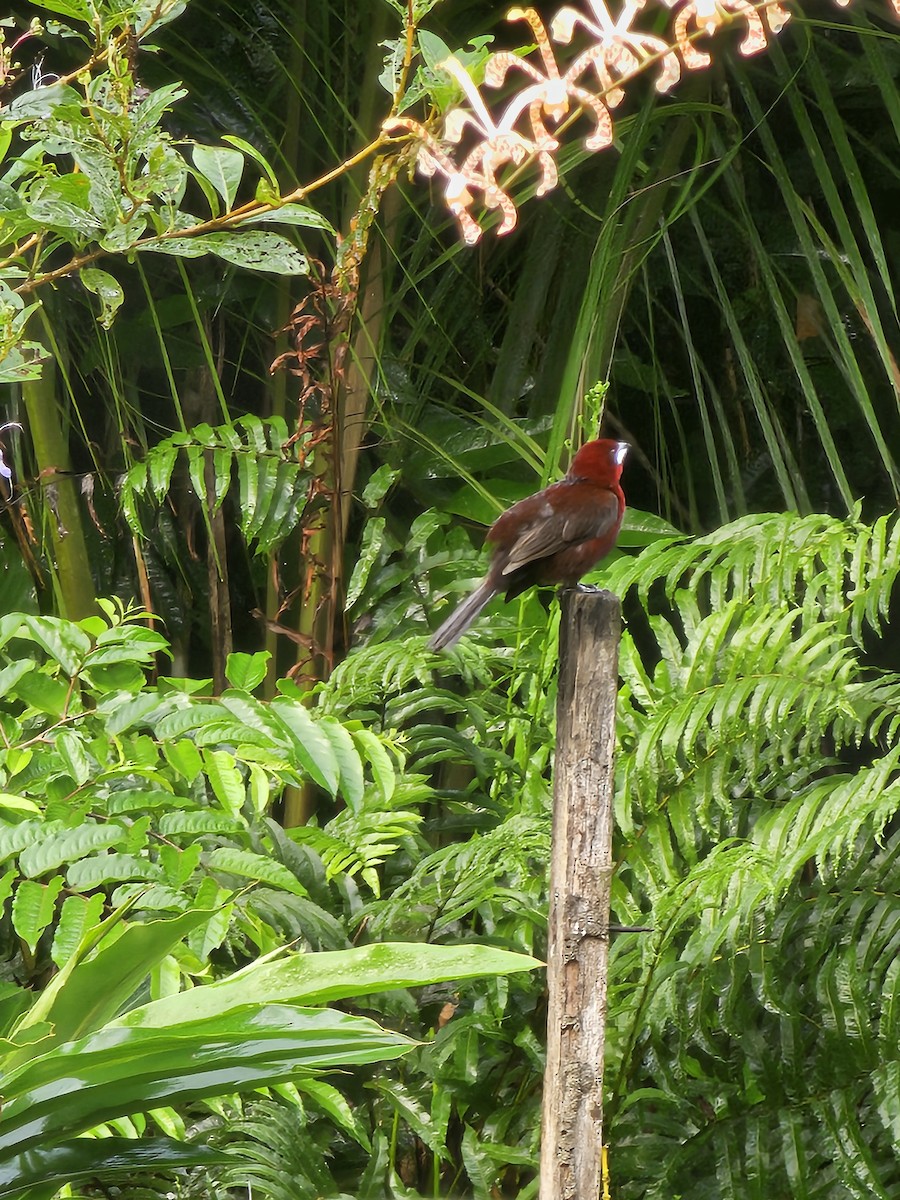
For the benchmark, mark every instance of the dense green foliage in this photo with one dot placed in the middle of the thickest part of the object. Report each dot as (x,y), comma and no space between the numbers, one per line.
(733,271)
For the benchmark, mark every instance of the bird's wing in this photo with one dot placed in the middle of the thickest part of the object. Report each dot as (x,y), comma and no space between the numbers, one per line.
(566,514)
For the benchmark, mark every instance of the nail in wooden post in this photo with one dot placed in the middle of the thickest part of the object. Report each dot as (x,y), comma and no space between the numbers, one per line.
(580,875)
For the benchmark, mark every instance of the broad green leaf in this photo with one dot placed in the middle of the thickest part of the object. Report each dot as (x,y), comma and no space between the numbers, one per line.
(14,838)
(76,917)
(33,909)
(13,803)
(160,464)
(642,528)
(18,758)
(225,778)
(333,975)
(43,693)
(254,866)
(380,483)
(413,1112)
(247,671)
(79,10)
(110,868)
(41,102)
(89,991)
(334,1103)
(310,744)
(222,167)
(69,845)
(348,760)
(193,824)
(74,756)
(122,1070)
(64,642)
(39,1173)
(184,756)
(11,674)
(370,551)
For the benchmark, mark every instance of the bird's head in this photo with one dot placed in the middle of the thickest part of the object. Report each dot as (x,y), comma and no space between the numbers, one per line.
(600,461)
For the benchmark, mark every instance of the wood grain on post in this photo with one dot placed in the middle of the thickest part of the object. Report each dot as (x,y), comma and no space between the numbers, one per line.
(580,876)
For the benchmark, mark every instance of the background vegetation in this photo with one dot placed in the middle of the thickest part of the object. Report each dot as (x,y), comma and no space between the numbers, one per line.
(731,267)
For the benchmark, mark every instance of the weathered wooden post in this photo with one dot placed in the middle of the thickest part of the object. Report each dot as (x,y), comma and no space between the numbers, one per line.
(580,877)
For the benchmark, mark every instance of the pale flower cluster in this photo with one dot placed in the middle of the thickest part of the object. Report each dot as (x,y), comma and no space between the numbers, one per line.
(593,84)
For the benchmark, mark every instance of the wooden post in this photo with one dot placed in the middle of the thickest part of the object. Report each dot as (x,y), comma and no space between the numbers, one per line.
(580,876)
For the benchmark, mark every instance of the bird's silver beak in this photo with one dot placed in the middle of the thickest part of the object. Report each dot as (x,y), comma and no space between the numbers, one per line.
(620,452)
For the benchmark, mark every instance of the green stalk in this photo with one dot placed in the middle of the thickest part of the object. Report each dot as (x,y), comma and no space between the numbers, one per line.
(48,427)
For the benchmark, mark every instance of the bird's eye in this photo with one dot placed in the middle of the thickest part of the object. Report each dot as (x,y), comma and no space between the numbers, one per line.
(619,453)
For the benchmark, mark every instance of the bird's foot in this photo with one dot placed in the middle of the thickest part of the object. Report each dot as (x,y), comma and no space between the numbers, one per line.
(587,587)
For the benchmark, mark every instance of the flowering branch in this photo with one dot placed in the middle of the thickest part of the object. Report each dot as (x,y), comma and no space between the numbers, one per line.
(525,131)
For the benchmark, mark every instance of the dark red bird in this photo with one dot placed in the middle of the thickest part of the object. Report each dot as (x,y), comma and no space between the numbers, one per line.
(554,536)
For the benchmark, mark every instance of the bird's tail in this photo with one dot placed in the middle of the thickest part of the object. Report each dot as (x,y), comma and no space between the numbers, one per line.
(462,617)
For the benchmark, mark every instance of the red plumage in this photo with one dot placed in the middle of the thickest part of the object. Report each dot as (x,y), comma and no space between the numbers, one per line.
(554,536)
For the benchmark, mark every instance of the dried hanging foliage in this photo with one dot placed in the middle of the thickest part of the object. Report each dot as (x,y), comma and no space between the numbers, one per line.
(524,131)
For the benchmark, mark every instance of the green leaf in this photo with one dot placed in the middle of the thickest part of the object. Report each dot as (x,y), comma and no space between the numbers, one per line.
(89,991)
(256,251)
(110,868)
(223,168)
(348,760)
(33,908)
(292,214)
(379,760)
(69,845)
(247,671)
(64,642)
(252,152)
(87,1159)
(77,916)
(333,975)
(43,693)
(310,744)
(126,1069)
(370,552)
(13,803)
(193,824)
(254,866)
(107,289)
(184,757)
(222,772)
(334,1103)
